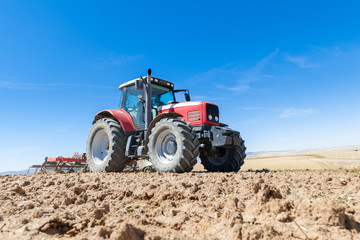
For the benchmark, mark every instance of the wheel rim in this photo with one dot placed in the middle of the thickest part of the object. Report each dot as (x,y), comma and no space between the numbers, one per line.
(220,157)
(100,147)
(166,146)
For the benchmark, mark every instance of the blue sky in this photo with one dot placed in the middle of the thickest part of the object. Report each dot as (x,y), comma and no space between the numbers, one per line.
(284,73)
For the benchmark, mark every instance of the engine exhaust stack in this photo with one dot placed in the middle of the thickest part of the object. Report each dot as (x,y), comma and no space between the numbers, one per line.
(148,100)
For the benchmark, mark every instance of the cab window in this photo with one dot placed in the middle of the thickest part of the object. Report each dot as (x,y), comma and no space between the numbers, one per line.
(161,96)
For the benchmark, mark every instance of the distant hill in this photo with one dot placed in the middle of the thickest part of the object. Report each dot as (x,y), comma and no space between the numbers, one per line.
(323,158)
(32,171)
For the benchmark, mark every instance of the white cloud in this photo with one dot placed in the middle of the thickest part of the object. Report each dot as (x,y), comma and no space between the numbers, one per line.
(63,129)
(205,98)
(301,62)
(200,98)
(282,112)
(41,86)
(295,112)
(239,88)
(250,108)
(237,78)
(12,153)
(28,86)
(251,121)
(344,50)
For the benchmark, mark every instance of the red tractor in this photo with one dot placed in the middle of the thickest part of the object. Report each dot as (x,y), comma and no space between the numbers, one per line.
(151,126)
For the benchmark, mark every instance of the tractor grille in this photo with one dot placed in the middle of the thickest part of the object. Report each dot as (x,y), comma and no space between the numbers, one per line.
(212,113)
(194,116)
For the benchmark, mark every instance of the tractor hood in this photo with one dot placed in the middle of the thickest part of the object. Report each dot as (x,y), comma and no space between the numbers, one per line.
(195,112)
(182,104)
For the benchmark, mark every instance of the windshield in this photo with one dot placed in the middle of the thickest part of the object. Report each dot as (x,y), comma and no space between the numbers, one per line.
(161,96)
(132,101)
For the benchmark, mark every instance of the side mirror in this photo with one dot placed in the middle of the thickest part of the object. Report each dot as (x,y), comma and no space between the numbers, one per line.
(139,84)
(187,97)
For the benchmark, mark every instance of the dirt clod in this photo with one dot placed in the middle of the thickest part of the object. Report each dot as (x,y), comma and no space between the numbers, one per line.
(127,232)
(18,190)
(283,217)
(98,213)
(343,181)
(78,190)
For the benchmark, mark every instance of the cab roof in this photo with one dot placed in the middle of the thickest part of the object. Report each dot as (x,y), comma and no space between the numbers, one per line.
(154,80)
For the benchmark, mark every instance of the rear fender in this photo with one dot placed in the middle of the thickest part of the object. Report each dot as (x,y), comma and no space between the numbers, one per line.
(119,115)
(157,119)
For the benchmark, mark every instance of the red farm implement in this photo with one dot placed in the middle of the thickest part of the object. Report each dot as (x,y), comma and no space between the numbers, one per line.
(66,164)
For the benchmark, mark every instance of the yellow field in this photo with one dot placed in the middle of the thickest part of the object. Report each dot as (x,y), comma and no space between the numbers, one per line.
(328,158)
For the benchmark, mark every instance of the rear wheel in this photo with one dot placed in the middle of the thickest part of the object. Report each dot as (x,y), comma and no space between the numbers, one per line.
(224,159)
(173,146)
(105,149)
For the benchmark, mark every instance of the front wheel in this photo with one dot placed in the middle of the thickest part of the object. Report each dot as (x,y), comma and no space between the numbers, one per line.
(224,159)
(105,148)
(173,146)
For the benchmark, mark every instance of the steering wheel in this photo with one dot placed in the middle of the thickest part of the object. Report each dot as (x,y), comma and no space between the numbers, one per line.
(129,110)
(158,104)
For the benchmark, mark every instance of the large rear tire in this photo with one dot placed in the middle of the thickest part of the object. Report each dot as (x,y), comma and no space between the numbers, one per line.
(173,146)
(225,159)
(105,148)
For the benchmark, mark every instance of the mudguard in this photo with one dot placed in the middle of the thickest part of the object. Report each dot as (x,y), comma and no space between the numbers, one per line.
(121,116)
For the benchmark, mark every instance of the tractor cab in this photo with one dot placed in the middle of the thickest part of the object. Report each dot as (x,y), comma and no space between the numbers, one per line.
(132,99)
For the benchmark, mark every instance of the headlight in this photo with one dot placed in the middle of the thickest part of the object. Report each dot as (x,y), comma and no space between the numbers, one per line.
(216,118)
(210,117)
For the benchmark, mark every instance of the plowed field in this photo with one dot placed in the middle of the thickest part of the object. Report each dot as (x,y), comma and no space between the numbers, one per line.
(299,204)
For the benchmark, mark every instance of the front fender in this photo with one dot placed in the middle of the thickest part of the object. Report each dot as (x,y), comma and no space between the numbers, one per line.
(121,116)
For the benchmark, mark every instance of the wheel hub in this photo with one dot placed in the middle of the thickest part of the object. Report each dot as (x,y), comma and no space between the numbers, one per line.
(100,147)
(220,157)
(170,147)
(166,146)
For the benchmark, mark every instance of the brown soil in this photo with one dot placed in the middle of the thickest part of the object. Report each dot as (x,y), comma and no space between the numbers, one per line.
(133,205)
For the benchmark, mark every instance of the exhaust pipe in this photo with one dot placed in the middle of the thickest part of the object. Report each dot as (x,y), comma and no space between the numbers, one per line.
(148,101)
